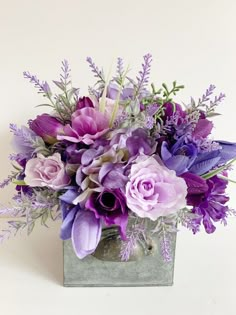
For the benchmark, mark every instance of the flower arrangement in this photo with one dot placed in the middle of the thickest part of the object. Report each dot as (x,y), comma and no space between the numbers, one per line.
(123,152)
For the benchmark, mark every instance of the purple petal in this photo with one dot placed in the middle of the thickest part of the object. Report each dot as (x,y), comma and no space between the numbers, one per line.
(178,163)
(121,222)
(69,196)
(209,227)
(113,91)
(106,167)
(165,153)
(67,224)
(205,162)
(195,183)
(202,129)
(114,180)
(86,233)
(88,156)
(227,152)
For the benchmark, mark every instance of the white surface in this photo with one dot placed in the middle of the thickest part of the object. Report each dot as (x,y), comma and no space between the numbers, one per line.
(193,42)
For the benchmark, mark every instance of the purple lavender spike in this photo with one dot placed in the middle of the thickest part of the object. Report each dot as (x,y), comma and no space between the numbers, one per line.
(144,73)
(120,66)
(97,73)
(42,87)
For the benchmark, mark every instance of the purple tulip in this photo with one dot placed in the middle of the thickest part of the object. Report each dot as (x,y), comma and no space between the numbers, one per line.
(88,124)
(47,127)
(68,220)
(86,233)
(110,205)
(180,156)
(84,102)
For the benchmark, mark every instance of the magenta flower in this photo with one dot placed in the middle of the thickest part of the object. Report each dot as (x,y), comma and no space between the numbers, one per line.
(110,205)
(153,190)
(46,172)
(87,124)
(47,127)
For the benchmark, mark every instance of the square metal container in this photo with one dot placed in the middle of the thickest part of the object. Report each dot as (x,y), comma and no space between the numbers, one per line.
(151,270)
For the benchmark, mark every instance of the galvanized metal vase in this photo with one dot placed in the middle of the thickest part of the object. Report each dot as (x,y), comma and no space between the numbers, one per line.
(145,267)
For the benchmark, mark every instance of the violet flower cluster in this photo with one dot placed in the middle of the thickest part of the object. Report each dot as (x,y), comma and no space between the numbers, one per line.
(122,152)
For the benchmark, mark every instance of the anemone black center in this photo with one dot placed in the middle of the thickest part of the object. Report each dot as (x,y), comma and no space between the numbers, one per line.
(108,200)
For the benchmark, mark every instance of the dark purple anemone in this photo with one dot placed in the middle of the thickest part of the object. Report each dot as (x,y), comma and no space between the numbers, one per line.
(110,205)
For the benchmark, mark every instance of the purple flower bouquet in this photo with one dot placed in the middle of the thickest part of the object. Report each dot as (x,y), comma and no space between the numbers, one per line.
(125,160)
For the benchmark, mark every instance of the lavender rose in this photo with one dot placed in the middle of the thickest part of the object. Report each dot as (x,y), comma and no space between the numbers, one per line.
(153,190)
(46,172)
(87,125)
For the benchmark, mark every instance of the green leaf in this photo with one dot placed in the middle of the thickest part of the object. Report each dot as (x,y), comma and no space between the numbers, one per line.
(19,182)
(60,85)
(227,179)
(217,171)
(43,105)
(165,86)
(44,218)
(30,227)
(212,114)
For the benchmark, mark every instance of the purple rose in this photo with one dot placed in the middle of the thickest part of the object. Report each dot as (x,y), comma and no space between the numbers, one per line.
(87,125)
(153,190)
(47,127)
(110,205)
(46,172)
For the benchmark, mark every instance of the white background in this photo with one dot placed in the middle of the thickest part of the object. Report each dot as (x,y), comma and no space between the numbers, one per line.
(193,42)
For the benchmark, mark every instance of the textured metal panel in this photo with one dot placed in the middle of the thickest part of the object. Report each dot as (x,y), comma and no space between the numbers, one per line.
(151,270)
